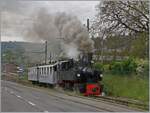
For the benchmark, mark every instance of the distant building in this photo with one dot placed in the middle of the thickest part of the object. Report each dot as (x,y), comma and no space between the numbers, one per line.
(9,68)
(103,51)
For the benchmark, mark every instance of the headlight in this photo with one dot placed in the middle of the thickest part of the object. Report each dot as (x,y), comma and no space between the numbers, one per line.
(78,75)
(101,75)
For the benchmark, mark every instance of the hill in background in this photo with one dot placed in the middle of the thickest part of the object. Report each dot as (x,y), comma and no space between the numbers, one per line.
(22,52)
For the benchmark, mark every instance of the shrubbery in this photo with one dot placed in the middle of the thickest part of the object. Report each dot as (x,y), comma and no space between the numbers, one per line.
(99,66)
(127,66)
(142,67)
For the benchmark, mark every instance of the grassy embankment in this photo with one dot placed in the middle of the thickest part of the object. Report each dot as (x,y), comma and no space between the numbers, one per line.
(126,86)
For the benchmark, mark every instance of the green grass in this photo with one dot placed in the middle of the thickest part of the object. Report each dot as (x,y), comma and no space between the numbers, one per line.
(24,76)
(127,86)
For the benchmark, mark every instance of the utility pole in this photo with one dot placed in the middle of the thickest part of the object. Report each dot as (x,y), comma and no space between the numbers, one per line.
(45,52)
(50,57)
(88,28)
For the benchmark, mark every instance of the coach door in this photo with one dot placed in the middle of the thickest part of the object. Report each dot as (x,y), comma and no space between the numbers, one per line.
(51,74)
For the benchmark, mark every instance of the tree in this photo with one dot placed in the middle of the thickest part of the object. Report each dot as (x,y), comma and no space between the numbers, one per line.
(124,16)
(122,19)
(139,46)
(8,57)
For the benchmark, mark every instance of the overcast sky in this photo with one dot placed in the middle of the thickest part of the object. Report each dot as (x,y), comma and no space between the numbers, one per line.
(16,15)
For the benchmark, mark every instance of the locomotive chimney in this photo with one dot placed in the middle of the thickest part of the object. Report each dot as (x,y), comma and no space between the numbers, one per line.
(85,58)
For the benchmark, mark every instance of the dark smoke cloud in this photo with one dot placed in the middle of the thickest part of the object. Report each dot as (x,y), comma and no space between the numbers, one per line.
(61,29)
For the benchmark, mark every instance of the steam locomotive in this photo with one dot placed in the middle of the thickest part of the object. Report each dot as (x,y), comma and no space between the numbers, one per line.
(73,75)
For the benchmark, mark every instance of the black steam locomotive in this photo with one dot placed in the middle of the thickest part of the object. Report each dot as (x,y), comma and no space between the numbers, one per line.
(69,74)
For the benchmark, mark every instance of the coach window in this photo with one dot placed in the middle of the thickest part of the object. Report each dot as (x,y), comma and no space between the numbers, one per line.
(39,70)
(47,70)
(50,70)
(55,68)
(62,66)
(42,70)
(33,70)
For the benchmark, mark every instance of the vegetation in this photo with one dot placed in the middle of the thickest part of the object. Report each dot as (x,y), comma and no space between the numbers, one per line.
(125,67)
(126,86)
(13,53)
(121,28)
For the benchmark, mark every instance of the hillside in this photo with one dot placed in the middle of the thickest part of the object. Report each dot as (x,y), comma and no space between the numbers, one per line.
(22,50)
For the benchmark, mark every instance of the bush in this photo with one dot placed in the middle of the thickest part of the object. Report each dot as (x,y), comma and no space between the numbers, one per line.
(142,67)
(106,67)
(99,66)
(127,66)
(116,67)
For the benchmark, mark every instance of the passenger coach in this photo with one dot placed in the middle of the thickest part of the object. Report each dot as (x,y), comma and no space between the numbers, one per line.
(43,74)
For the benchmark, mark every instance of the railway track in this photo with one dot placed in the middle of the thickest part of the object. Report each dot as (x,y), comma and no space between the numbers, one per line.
(126,102)
(113,100)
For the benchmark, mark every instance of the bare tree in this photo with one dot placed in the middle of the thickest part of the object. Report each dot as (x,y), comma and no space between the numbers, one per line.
(120,18)
(124,16)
